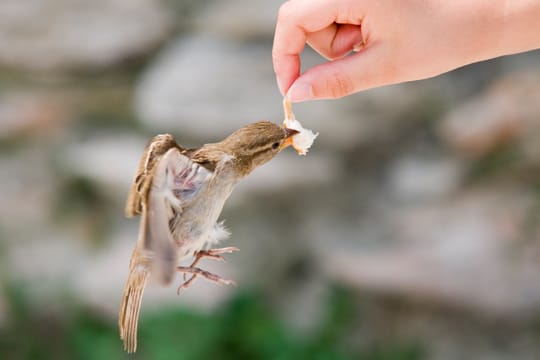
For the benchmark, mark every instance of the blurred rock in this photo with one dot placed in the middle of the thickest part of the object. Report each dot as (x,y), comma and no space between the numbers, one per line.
(506,112)
(454,253)
(27,191)
(240,19)
(288,171)
(108,159)
(55,254)
(23,114)
(207,88)
(64,34)
(419,178)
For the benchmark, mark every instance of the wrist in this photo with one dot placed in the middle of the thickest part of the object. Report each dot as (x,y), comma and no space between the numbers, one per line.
(481,29)
(520,28)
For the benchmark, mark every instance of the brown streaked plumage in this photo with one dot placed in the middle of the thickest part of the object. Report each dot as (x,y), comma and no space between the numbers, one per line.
(179,194)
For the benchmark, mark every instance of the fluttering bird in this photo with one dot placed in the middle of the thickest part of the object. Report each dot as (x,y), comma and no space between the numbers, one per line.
(179,194)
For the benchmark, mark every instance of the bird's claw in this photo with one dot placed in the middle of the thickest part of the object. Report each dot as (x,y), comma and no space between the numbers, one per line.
(211,253)
(206,274)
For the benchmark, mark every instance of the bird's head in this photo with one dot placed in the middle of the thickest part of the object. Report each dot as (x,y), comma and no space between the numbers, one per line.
(257,143)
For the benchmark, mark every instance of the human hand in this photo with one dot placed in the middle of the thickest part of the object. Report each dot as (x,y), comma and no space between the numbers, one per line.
(396,40)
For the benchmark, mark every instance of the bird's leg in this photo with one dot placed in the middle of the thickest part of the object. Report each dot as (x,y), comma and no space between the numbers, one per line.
(211,253)
(206,274)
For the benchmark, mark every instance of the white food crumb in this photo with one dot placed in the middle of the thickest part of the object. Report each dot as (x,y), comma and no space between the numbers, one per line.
(304,139)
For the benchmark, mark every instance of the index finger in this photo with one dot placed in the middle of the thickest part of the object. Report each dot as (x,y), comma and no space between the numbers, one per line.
(296,19)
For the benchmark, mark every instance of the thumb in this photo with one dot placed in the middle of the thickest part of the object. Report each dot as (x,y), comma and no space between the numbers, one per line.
(339,78)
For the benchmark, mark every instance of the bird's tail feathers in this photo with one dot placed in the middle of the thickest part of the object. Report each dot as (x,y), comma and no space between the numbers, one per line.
(139,272)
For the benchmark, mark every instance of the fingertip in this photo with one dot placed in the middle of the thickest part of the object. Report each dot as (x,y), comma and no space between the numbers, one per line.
(287,70)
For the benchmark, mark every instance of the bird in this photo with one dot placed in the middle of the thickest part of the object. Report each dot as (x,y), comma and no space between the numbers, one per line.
(179,194)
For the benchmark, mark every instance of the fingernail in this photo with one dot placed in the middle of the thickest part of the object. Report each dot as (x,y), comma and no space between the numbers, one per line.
(300,91)
(280,87)
(358,47)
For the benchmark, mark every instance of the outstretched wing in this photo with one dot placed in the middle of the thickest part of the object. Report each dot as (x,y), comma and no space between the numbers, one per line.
(175,182)
(136,195)
(154,151)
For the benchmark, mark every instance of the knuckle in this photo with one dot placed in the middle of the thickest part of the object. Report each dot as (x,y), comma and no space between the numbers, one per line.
(284,11)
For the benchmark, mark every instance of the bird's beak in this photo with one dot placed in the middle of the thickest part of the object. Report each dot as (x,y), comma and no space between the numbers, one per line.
(288,137)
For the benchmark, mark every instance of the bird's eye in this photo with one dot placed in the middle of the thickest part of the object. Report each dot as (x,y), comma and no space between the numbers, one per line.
(275,145)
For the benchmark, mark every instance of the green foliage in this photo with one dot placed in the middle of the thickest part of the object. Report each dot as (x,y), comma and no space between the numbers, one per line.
(503,159)
(245,328)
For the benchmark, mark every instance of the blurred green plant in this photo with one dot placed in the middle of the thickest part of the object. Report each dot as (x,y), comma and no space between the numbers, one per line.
(245,328)
(502,160)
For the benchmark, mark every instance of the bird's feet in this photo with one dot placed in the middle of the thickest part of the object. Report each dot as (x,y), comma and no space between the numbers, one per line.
(211,253)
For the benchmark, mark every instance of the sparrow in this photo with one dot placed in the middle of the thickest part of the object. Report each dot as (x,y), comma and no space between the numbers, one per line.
(179,194)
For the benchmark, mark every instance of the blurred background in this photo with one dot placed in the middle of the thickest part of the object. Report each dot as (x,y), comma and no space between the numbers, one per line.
(410,231)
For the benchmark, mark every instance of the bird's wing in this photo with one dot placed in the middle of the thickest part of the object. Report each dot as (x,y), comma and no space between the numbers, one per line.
(136,193)
(176,181)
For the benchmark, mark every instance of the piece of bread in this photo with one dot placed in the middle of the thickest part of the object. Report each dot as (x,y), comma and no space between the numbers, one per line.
(304,139)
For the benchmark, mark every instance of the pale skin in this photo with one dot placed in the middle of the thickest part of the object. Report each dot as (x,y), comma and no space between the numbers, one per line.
(371,43)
